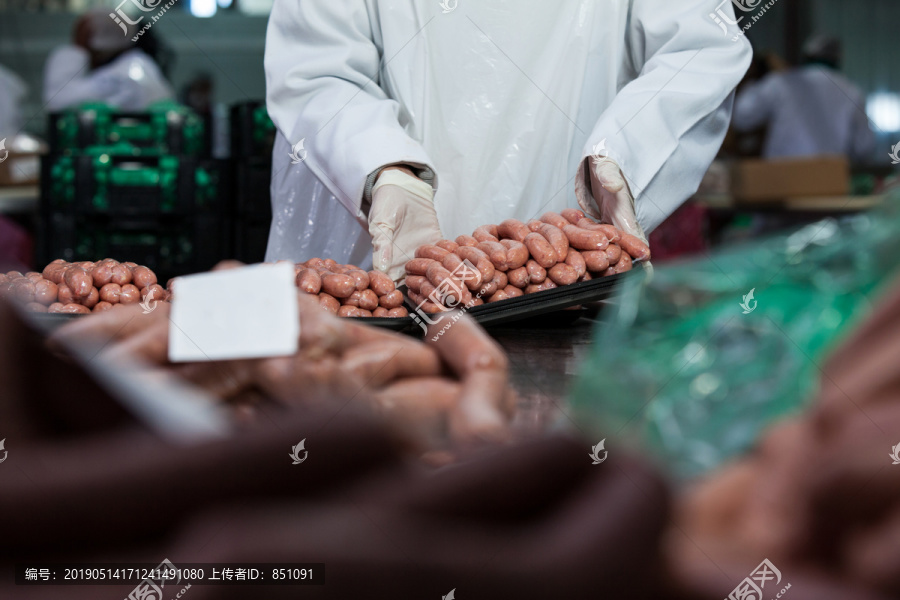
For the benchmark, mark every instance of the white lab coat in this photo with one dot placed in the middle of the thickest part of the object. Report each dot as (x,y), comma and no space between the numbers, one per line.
(502,99)
(130,82)
(810,111)
(12,92)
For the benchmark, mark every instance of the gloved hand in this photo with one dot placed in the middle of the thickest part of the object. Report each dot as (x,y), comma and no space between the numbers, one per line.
(401,219)
(603,194)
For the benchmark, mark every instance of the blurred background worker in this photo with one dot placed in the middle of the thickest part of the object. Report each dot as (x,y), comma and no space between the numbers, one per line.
(810,110)
(424,123)
(12,92)
(102,65)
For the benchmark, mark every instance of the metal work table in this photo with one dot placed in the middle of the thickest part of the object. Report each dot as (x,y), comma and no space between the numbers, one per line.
(545,356)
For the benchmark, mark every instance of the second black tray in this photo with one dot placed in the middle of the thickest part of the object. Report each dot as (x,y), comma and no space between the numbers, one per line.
(540,303)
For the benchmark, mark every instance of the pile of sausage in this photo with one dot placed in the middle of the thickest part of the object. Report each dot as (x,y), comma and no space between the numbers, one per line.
(348,291)
(82,287)
(516,258)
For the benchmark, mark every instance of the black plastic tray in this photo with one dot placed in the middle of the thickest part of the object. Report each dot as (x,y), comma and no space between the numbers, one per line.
(394,324)
(548,301)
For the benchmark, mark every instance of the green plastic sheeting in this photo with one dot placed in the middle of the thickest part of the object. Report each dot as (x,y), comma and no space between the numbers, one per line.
(687,368)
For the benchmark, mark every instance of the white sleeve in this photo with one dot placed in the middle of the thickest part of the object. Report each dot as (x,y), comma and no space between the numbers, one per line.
(666,126)
(754,104)
(66,78)
(322,78)
(862,138)
(12,92)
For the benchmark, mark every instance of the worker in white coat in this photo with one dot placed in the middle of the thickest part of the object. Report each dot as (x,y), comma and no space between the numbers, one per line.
(811,110)
(12,93)
(427,119)
(102,65)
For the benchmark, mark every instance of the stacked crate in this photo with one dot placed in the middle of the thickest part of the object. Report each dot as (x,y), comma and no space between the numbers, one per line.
(252,138)
(136,187)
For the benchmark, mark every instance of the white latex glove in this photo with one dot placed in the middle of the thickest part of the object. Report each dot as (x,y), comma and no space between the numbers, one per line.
(401,219)
(605,196)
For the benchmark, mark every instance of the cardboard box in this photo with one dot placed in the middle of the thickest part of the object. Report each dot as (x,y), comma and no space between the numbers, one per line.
(775,180)
(20,169)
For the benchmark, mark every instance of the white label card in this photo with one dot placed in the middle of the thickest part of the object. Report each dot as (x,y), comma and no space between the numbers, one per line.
(249,312)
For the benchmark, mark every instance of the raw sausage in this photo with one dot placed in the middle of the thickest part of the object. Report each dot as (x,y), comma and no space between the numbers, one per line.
(432,252)
(329,303)
(101,274)
(624,264)
(513,229)
(92,299)
(437,275)
(519,278)
(414,282)
(563,274)
(554,219)
(64,294)
(498,296)
(540,287)
(541,250)
(557,239)
(23,290)
(536,273)
(447,245)
(582,239)
(486,233)
(466,240)
(120,274)
(360,277)
(497,254)
(79,281)
(368,300)
(353,300)
(380,283)
(572,215)
(479,260)
(392,300)
(418,266)
(575,260)
(488,289)
(471,277)
(424,304)
(339,286)
(110,293)
(516,254)
(596,261)
(309,281)
(634,246)
(513,291)
(45,292)
(129,294)
(142,277)
(155,292)
(611,233)
(348,311)
(72,308)
(613,253)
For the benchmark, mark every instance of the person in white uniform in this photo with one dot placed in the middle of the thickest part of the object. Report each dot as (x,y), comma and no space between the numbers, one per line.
(427,119)
(102,66)
(812,110)
(12,93)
